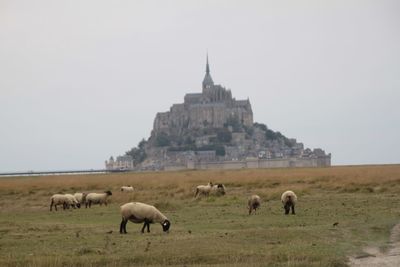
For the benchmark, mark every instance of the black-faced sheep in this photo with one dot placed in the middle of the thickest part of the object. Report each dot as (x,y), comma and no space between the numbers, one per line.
(59,199)
(97,198)
(289,200)
(254,203)
(203,189)
(128,188)
(137,212)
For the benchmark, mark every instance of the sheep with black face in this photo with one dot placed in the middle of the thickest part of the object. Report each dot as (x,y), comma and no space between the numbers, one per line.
(138,212)
(289,200)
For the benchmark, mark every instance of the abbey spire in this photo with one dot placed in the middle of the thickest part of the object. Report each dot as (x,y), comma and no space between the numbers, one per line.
(207,81)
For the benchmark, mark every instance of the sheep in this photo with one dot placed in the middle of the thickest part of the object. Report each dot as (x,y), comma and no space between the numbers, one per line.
(128,188)
(72,201)
(218,189)
(97,198)
(59,199)
(137,212)
(203,189)
(254,203)
(81,197)
(289,200)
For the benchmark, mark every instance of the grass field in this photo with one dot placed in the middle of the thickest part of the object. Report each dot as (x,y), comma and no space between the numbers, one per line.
(364,200)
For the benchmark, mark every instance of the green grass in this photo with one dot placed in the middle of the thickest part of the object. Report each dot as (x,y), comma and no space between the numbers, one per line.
(208,231)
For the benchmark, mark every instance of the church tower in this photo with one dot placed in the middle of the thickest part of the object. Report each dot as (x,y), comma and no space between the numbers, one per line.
(208,82)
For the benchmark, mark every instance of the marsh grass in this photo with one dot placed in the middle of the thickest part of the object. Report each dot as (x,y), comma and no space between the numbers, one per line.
(205,231)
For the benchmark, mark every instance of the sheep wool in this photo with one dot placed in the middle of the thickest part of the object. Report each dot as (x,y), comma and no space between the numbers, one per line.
(254,203)
(59,199)
(97,198)
(289,200)
(128,188)
(81,197)
(138,212)
(72,201)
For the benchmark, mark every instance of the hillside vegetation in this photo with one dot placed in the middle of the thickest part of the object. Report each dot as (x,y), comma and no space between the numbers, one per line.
(217,231)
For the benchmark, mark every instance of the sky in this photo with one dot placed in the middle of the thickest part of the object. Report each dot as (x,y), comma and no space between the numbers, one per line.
(83,80)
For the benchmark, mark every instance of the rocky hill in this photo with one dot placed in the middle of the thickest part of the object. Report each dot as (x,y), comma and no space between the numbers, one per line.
(210,126)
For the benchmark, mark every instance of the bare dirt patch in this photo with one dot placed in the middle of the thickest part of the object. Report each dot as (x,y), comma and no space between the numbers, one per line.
(373,256)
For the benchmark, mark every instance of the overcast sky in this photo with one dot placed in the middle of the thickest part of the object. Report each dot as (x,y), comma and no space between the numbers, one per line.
(83,80)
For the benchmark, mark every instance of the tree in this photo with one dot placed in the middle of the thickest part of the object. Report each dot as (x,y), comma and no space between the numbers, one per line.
(138,154)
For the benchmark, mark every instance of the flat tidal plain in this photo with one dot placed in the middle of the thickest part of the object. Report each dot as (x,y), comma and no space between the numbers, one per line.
(362,200)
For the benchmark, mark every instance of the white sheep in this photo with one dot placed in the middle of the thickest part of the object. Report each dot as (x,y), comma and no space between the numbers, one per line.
(97,198)
(59,199)
(218,189)
(203,189)
(253,203)
(81,197)
(72,201)
(137,212)
(289,200)
(128,188)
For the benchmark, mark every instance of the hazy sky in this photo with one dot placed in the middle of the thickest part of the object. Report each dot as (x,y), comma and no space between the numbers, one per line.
(83,80)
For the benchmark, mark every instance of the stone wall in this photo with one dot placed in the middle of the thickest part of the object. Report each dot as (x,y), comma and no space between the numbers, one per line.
(324,161)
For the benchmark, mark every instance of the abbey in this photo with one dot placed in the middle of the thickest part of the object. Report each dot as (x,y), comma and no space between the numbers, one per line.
(213,130)
(213,107)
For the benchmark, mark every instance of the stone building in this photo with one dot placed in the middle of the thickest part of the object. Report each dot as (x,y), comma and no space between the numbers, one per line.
(121,163)
(213,107)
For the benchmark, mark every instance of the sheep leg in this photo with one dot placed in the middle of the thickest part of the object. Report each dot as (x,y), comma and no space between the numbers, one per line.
(90,203)
(287,208)
(293,209)
(148,227)
(144,225)
(51,205)
(122,227)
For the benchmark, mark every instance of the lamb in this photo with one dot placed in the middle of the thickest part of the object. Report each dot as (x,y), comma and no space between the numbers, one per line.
(289,200)
(218,189)
(253,203)
(203,189)
(81,197)
(128,188)
(137,212)
(59,199)
(72,201)
(97,198)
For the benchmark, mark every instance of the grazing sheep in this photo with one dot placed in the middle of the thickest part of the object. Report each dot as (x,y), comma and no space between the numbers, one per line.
(81,197)
(72,201)
(137,212)
(203,189)
(254,203)
(128,188)
(59,199)
(289,200)
(218,189)
(97,198)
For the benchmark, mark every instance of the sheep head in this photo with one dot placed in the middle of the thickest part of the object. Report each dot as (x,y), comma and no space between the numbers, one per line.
(165,225)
